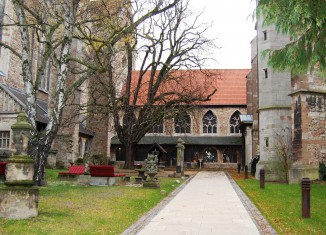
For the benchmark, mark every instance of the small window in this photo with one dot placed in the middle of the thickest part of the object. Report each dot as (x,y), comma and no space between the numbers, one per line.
(4,139)
(124,61)
(265,35)
(265,73)
(266,141)
(45,82)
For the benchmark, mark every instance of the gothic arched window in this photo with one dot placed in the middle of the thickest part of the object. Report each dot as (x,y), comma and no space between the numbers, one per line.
(182,123)
(235,122)
(209,122)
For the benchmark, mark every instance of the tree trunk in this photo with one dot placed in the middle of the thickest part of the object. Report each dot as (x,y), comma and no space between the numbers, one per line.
(130,156)
(39,149)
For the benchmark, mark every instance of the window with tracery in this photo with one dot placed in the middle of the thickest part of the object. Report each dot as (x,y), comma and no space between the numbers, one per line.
(182,123)
(158,128)
(209,122)
(235,123)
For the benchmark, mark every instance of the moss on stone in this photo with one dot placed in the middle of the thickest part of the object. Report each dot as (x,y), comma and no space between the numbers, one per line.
(19,183)
(20,159)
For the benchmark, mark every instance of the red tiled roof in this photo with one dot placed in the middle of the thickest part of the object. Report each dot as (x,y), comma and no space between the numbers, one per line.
(230,85)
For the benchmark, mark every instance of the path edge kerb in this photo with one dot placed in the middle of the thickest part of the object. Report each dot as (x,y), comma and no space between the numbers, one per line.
(259,220)
(145,219)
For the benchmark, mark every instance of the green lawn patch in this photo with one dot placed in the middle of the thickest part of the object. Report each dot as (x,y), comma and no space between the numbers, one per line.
(281,206)
(69,209)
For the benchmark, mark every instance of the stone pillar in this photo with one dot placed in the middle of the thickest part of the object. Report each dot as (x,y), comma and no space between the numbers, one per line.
(180,156)
(19,198)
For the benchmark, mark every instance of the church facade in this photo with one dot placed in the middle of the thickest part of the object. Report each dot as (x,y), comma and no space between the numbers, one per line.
(210,130)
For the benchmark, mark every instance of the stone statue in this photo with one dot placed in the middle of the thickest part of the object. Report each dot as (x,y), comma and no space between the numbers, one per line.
(151,164)
(151,169)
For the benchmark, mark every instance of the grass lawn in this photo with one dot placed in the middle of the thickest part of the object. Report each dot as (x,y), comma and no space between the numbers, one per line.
(281,205)
(69,209)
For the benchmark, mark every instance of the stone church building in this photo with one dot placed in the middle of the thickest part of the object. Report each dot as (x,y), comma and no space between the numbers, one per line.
(282,105)
(210,129)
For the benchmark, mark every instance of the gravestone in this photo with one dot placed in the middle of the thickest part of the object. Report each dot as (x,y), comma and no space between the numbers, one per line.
(19,198)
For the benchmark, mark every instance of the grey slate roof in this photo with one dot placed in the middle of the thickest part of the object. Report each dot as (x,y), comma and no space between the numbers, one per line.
(42,107)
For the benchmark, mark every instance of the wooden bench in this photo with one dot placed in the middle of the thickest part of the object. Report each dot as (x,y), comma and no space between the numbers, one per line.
(103,171)
(73,171)
(3,168)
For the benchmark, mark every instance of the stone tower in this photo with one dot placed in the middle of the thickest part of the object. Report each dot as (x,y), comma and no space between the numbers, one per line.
(274,105)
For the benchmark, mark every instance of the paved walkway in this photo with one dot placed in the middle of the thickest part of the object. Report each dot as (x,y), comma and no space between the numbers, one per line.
(207,205)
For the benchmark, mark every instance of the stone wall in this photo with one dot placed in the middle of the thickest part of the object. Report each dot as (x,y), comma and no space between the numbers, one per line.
(309,126)
(9,63)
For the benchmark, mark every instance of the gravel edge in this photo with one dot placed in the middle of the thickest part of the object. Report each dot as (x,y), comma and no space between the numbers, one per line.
(260,221)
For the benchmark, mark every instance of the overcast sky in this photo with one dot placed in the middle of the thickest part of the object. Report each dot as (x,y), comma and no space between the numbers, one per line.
(233,28)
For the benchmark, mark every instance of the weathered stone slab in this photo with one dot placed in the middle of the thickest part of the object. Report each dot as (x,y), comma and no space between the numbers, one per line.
(105,181)
(84,179)
(18,202)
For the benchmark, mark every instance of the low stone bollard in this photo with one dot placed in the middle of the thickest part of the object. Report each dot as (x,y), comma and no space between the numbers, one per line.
(262,178)
(305,190)
(246,172)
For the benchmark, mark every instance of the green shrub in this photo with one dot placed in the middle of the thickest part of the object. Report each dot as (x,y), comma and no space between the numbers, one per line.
(322,171)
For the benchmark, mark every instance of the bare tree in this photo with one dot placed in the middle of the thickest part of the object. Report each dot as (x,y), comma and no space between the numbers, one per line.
(283,151)
(56,24)
(169,45)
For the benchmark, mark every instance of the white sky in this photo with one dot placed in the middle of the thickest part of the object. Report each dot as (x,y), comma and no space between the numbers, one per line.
(233,27)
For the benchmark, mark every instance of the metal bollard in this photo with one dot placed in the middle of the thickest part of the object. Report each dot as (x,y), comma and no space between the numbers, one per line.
(305,190)
(239,168)
(262,178)
(246,172)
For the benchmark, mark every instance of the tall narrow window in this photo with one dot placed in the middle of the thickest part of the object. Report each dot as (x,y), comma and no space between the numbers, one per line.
(4,139)
(265,35)
(182,123)
(235,122)
(266,140)
(265,73)
(45,81)
(158,128)
(2,10)
(209,122)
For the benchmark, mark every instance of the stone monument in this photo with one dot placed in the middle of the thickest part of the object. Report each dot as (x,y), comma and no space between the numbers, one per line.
(151,168)
(19,197)
(180,157)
